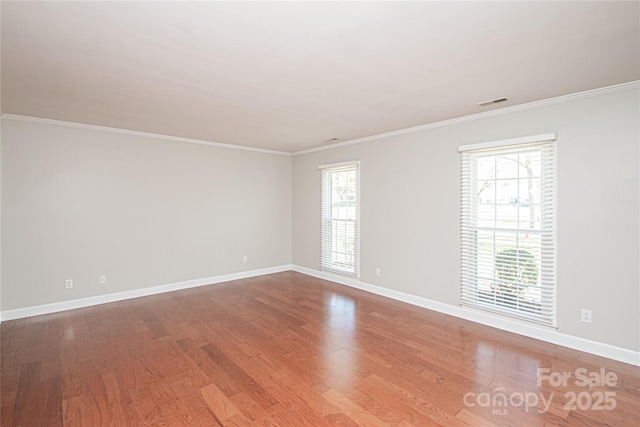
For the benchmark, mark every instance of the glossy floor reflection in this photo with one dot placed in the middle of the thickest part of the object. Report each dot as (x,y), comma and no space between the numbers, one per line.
(292,350)
(339,355)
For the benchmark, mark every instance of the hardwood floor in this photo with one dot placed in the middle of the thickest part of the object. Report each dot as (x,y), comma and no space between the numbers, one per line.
(291,350)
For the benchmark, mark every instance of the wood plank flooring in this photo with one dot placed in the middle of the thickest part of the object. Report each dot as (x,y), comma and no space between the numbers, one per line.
(292,350)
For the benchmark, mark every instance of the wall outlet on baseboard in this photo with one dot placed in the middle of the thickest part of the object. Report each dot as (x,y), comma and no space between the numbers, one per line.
(245,259)
(585,315)
(68,283)
(378,272)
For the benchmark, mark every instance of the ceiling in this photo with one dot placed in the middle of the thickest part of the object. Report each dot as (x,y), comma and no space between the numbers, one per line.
(289,76)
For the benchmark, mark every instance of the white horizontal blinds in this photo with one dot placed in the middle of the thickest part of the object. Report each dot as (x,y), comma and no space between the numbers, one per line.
(508,229)
(340,206)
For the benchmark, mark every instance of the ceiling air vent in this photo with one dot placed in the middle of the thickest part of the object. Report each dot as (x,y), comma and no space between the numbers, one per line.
(491,102)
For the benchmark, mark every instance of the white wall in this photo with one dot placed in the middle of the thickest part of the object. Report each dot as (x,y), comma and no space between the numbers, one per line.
(78,203)
(410,209)
(0,163)
(0,213)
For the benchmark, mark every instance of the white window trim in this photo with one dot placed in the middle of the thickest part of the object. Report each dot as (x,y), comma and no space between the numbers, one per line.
(356,163)
(506,143)
(516,143)
(340,165)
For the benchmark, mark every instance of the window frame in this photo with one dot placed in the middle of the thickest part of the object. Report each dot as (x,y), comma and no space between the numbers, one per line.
(327,252)
(472,261)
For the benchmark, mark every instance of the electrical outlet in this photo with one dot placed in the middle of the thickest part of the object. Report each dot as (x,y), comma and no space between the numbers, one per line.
(378,272)
(585,315)
(102,279)
(68,283)
(245,259)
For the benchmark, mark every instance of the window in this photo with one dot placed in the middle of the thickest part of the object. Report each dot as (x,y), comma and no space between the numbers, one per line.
(340,218)
(508,227)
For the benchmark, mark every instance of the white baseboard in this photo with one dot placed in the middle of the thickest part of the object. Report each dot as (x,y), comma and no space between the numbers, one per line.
(20,313)
(533,331)
(542,333)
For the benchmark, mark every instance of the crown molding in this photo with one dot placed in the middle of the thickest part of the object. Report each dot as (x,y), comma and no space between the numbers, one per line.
(493,113)
(499,112)
(40,120)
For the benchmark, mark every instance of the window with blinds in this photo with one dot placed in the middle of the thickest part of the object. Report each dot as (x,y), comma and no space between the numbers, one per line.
(508,227)
(340,216)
